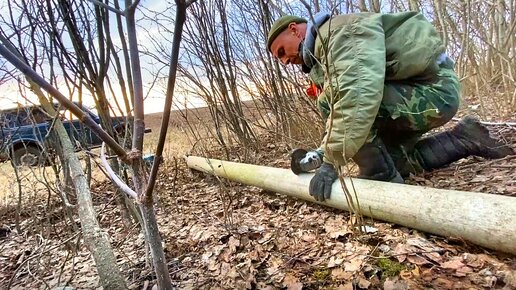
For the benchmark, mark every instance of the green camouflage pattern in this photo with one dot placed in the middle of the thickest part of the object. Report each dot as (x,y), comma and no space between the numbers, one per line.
(356,55)
(411,108)
(416,106)
(408,110)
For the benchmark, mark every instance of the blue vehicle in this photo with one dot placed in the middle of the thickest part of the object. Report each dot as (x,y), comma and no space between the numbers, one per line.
(24,134)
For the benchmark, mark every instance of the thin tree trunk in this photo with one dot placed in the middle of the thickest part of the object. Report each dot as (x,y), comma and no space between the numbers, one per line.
(94,237)
(414,5)
(20,193)
(139,178)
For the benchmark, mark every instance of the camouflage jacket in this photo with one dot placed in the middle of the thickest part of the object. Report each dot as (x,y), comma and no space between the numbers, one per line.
(353,55)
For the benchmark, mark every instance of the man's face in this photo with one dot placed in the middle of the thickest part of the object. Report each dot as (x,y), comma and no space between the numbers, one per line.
(286,46)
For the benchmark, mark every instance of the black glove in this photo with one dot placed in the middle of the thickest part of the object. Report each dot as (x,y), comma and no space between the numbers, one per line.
(320,185)
(305,161)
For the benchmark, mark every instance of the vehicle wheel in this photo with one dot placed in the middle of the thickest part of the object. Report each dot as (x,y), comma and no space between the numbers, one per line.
(28,156)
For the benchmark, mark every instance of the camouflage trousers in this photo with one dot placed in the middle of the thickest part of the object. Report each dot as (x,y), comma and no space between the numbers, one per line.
(413,107)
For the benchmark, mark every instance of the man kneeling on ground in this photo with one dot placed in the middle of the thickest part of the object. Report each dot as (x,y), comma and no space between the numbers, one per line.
(386,81)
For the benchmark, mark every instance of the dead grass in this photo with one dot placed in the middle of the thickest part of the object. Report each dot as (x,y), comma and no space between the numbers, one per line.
(32,182)
(4,178)
(177,142)
(34,179)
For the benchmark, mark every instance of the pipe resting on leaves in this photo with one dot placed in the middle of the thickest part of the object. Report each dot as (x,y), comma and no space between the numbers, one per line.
(487,220)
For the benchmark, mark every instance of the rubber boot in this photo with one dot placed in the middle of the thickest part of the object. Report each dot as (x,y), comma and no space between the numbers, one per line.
(374,162)
(468,138)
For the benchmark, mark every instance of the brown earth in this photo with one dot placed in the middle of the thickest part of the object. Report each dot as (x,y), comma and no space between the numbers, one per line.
(224,235)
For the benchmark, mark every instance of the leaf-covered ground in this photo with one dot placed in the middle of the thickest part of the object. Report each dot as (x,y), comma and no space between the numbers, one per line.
(223,235)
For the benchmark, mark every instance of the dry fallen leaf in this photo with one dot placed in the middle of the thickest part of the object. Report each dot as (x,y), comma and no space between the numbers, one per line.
(442,283)
(395,284)
(510,279)
(363,283)
(308,237)
(421,243)
(489,282)
(434,256)
(352,266)
(406,274)
(463,271)
(473,261)
(292,282)
(340,274)
(333,262)
(233,243)
(417,260)
(452,264)
(400,252)
(347,286)
(416,272)
(427,275)
(336,227)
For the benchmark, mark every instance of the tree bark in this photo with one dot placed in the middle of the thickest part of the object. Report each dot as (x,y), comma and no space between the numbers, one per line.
(139,175)
(94,237)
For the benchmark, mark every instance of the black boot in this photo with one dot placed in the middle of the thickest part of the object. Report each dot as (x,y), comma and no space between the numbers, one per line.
(468,138)
(375,163)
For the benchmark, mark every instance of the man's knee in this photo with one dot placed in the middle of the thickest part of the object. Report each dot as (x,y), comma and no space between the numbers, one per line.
(418,107)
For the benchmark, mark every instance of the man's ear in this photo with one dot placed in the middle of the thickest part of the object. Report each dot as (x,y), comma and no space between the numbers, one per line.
(292,27)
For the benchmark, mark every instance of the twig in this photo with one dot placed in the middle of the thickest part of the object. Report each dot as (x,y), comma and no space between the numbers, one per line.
(72,274)
(509,157)
(176,271)
(39,255)
(112,175)
(296,257)
(491,123)
(171,82)
(407,253)
(36,278)
(504,166)
(108,7)
(457,167)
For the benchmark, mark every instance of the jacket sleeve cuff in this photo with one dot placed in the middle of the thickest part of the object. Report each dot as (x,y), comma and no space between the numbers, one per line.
(333,158)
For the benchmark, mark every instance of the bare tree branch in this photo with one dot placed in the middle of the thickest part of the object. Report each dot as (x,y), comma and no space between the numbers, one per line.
(78,112)
(101,4)
(126,189)
(178,31)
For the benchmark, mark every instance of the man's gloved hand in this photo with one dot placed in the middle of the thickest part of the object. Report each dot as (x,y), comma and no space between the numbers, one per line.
(305,161)
(320,185)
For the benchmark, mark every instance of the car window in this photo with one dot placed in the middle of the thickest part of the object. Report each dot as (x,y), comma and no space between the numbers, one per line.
(4,120)
(11,119)
(22,117)
(31,116)
(39,116)
(65,114)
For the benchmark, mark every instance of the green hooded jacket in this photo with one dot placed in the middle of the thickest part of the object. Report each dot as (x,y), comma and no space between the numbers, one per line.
(354,55)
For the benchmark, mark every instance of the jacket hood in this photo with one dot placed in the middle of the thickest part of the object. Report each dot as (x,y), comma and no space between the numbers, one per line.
(308,45)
